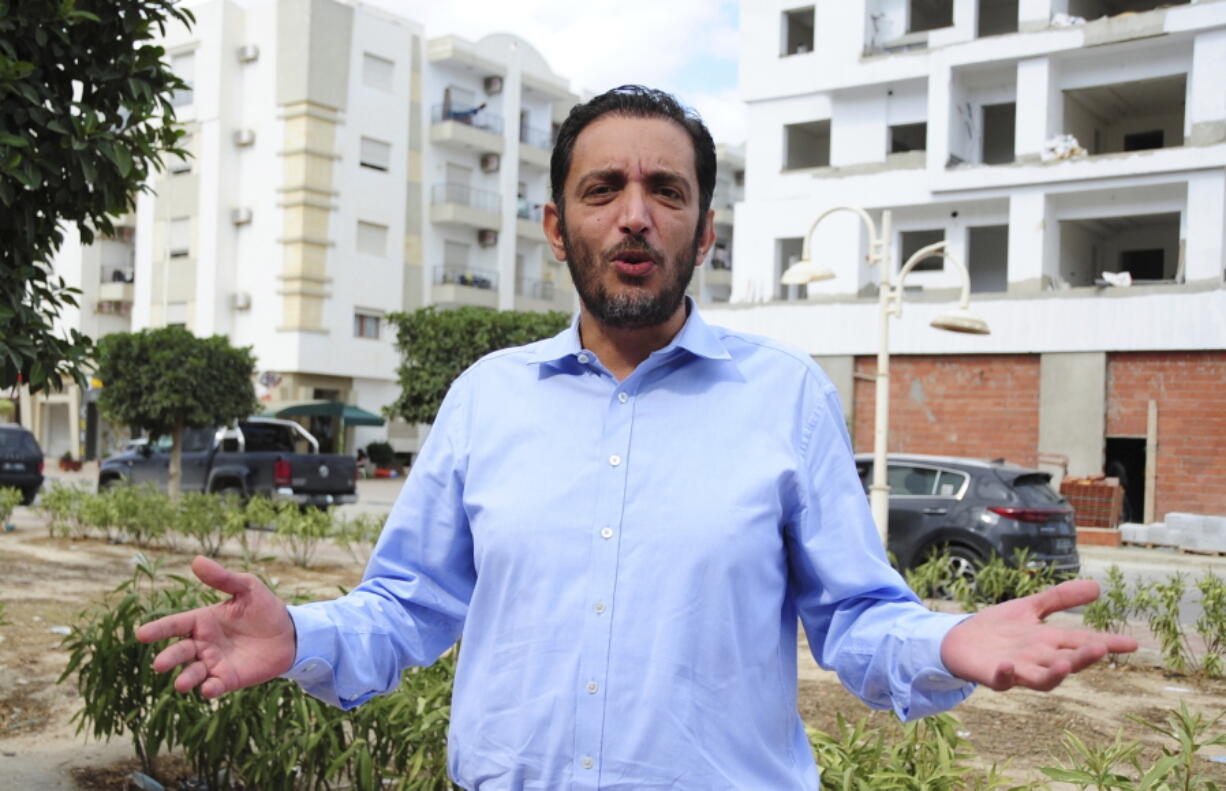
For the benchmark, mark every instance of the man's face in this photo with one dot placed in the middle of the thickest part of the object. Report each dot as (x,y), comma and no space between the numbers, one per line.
(631,234)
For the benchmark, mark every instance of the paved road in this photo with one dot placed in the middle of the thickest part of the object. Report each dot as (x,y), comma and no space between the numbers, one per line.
(1140,564)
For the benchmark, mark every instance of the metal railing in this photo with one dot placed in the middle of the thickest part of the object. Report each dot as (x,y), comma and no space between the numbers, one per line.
(466,196)
(462,276)
(476,117)
(536,289)
(538,138)
(529,211)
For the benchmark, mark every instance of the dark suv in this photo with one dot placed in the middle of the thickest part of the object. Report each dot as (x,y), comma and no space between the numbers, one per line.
(973,509)
(21,461)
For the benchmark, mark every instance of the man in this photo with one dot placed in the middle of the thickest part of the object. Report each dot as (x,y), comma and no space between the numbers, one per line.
(624,522)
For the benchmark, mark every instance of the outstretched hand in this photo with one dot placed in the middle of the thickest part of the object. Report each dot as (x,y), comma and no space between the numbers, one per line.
(1008,644)
(245,640)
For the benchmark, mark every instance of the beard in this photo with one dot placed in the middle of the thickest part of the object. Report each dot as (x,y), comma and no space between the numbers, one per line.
(635,307)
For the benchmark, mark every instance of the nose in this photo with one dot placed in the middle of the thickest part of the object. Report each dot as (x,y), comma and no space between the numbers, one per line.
(635,216)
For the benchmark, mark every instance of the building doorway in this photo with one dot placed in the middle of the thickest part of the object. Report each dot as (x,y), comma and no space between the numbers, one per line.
(1125,459)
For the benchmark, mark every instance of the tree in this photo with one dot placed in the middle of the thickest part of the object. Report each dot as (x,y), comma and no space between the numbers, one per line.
(437,345)
(167,380)
(84,112)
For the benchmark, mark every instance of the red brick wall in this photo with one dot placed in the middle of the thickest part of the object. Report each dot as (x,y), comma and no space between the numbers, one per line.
(983,406)
(1190,388)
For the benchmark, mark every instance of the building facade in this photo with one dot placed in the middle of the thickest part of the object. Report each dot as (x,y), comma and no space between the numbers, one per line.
(1072,153)
(344,166)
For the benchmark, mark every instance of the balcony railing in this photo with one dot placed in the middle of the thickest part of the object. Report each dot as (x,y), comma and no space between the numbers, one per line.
(721,260)
(466,196)
(539,138)
(117,273)
(529,211)
(531,287)
(476,117)
(460,276)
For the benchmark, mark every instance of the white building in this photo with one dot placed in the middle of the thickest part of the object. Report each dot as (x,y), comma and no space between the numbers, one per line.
(940,111)
(344,166)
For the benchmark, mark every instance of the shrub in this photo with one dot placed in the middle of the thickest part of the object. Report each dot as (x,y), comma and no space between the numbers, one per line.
(61,505)
(381,454)
(10,498)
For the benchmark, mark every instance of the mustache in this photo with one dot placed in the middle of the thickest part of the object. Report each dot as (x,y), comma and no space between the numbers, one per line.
(634,243)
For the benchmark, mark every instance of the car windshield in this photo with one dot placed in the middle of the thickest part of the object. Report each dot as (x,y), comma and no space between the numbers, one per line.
(1036,489)
(17,442)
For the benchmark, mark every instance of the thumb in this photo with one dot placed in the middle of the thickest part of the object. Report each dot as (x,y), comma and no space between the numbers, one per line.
(215,575)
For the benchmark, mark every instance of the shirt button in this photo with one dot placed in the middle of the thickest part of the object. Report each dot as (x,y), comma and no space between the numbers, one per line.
(606,532)
(583,358)
(599,607)
(615,460)
(591,687)
(622,397)
(587,762)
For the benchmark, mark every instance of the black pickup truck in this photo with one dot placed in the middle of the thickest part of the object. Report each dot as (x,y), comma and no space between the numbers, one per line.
(265,456)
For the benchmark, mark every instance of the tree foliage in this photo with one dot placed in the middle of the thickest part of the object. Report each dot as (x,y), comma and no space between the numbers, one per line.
(437,345)
(84,113)
(165,380)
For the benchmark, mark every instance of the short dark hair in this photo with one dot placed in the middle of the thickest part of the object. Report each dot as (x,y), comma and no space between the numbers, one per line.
(635,101)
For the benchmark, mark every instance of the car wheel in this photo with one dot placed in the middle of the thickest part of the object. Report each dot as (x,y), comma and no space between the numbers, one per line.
(964,564)
(107,483)
(28,495)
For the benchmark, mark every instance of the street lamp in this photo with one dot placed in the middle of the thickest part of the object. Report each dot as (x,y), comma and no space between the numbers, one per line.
(889,301)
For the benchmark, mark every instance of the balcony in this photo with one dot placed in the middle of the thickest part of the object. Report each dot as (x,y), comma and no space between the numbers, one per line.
(466,128)
(528,221)
(115,289)
(454,285)
(456,52)
(539,295)
(461,205)
(535,146)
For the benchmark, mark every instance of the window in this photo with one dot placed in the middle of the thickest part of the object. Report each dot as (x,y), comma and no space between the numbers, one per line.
(797,31)
(949,484)
(1144,264)
(180,241)
(987,258)
(908,137)
(1143,141)
(455,255)
(930,15)
(806,145)
(366,324)
(999,123)
(372,238)
(787,252)
(377,72)
(375,154)
(907,481)
(913,241)
(184,65)
(997,17)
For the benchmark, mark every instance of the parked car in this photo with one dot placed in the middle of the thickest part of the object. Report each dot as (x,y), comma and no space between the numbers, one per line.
(974,509)
(266,456)
(21,461)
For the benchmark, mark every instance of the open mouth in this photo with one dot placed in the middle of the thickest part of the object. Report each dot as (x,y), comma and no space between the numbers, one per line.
(633,263)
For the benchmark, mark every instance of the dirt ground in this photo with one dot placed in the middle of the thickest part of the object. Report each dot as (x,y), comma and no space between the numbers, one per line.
(45,583)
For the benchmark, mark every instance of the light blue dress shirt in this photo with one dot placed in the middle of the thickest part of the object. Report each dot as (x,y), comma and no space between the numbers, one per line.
(626,563)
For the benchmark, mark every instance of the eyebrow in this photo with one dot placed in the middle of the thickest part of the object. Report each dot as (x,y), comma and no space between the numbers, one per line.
(657,178)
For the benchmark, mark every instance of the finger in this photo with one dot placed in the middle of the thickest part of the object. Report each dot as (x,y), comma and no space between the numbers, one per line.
(180,653)
(215,575)
(180,624)
(1074,639)
(1073,593)
(191,677)
(1044,679)
(1004,677)
(213,687)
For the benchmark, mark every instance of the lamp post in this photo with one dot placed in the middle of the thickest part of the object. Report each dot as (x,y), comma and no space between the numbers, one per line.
(889,301)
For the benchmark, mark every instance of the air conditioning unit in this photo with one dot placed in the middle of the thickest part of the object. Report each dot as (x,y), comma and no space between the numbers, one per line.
(244,137)
(240,300)
(248,53)
(487,237)
(240,216)
(492,85)
(490,163)
(177,166)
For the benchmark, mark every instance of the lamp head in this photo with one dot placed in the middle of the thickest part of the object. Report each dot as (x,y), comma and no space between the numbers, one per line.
(804,272)
(961,320)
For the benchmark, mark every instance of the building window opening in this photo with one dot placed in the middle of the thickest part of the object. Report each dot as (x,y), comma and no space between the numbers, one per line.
(997,17)
(366,325)
(797,31)
(987,258)
(999,124)
(806,145)
(910,242)
(787,252)
(929,15)
(908,137)
(1094,9)
(1127,116)
(1146,247)
(1125,461)
(375,154)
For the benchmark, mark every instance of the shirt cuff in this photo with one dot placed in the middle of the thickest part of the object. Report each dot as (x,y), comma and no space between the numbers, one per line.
(933,688)
(313,669)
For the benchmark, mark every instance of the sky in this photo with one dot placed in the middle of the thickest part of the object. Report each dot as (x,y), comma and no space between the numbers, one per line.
(686,47)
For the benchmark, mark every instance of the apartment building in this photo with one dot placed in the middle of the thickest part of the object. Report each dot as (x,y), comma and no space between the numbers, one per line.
(712,282)
(345,165)
(1072,153)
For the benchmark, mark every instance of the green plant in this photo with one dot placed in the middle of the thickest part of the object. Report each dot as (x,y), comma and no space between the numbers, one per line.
(1190,734)
(10,498)
(1211,625)
(209,519)
(61,504)
(381,454)
(359,534)
(1110,611)
(1158,603)
(300,530)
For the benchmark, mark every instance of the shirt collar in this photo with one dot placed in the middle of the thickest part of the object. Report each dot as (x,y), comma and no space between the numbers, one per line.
(696,337)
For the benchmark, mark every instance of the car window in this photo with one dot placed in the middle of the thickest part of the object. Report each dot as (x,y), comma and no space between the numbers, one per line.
(18,442)
(865,471)
(1036,489)
(949,483)
(196,440)
(989,487)
(265,437)
(915,481)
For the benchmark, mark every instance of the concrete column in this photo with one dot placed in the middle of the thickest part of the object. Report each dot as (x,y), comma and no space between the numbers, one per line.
(1035,106)
(939,113)
(26,405)
(1205,242)
(508,178)
(74,420)
(1027,231)
(1036,14)
(1073,408)
(1205,121)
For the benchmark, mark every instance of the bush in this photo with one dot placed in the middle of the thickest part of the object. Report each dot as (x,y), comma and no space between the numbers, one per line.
(61,505)
(10,498)
(381,454)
